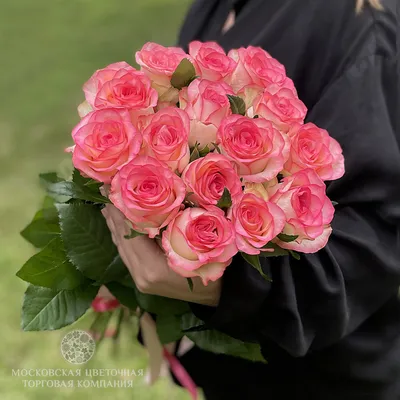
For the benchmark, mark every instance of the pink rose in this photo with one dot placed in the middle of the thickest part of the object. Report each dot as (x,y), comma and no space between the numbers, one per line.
(148,193)
(159,63)
(254,145)
(312,147)
(200,242)
(166,138)
(84,109)
(211,61)
(283,109)
(308,211)
(120,86)
(207,104)
(105,141)
(100,77)
(260,189)
(256,68)
(256,222)
(207,177)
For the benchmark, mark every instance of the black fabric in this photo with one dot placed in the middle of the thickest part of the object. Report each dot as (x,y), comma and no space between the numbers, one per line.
(238,6)
(329,324)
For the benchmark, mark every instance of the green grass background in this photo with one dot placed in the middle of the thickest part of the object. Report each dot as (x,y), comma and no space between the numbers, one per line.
(48,48)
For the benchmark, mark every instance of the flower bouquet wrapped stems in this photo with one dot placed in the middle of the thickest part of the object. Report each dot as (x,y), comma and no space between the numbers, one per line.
(206,152)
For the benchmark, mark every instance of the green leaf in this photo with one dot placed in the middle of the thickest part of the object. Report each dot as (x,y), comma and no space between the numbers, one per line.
(49,178)
(190,323)
(190,283)
(88,182)
(204,151)
(278,251)
(238,106)
(134,234)
(195,153)
(161,305)
(80,188)
(217,148)
(48,309)
(197,328)
(217,342)
(127,280)
(75,191)
(334,203)
(87,239)
(51,268)
(183,75)
(78,178)
(48,203)
(43,228)
(254,261)
(226,200)
(156,304)
(287,238)
(115,271)
(294,254)
(169,328)
(125,295)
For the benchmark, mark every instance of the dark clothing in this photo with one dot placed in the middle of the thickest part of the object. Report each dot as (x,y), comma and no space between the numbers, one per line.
(328,324)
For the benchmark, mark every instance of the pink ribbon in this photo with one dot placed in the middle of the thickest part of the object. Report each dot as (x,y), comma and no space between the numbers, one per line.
(100,304)
(181,374)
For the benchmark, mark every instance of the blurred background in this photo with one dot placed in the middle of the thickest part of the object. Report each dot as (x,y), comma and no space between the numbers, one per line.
(48,49)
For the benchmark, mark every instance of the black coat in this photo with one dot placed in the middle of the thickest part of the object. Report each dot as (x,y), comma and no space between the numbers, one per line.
(329,324)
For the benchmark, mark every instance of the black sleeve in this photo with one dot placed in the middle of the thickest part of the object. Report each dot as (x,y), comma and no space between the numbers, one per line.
(314,302)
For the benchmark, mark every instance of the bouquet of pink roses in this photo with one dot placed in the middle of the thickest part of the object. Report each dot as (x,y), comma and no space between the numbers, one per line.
(207,152)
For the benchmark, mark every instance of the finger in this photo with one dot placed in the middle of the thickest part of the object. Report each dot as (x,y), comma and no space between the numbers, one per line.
(104,211)
(108,215)
(112,228)
(116,214)
(124,254)
(105,190)
(119,221)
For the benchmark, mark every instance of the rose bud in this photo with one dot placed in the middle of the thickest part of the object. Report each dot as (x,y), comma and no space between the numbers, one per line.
(166,138)
(211,61)
(120,86)
(256,222)
(159,63)
(207,104)
(309,212)
(283,109)
(105,141)
(207,177)
(148,193)
(257,148)
(312,147)
(200,243)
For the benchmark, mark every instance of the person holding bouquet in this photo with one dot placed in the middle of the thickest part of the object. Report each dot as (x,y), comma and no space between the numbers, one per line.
(328,324)
(222,151)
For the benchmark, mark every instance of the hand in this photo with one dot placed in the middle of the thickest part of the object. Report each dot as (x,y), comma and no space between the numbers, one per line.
(148,266)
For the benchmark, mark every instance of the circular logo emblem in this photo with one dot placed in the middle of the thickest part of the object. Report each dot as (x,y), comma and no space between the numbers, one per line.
(78,347)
